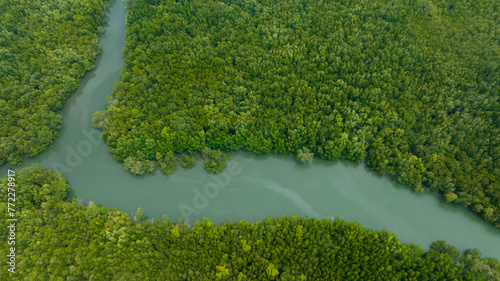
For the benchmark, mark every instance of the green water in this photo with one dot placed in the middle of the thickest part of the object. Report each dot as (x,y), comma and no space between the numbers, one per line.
(252,187)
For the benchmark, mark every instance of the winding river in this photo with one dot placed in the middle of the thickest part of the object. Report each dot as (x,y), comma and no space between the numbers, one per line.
(252,187)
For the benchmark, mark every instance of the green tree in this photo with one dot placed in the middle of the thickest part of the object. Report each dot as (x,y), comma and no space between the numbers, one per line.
(215,160)
(304,156)
(168,163)
(186,161)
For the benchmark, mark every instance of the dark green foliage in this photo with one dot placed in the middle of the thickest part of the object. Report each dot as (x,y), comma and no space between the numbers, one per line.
(70,241)
(442,247)
(305,156)
(410,86)
(215,160)
(45,48)
(186,161)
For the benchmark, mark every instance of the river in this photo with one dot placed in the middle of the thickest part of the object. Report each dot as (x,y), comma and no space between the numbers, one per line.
(253,187)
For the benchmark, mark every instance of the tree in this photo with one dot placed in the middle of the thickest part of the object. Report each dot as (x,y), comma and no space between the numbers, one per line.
(139,167)
(99,120)
(139,215)
(304,156)
(450,197)
(168,163)
(215,160)
(186,161)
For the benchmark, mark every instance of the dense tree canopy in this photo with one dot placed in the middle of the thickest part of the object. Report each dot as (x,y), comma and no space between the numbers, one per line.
(45,48)
(59,239)
(409,86)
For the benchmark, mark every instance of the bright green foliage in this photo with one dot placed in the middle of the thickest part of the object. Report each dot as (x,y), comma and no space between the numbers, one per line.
(45,48)
(62,239)
(305,156)
(215,160)
(410,86)
(450,197)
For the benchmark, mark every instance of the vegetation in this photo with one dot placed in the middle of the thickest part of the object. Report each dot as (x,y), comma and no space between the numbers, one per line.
(409,86)
(471,259)
(305,156)
(187,161)
(59,238)
(45,48)
(167,164)
(215,160)
(140,165)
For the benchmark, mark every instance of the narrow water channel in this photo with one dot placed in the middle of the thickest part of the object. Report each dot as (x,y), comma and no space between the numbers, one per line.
(253,187)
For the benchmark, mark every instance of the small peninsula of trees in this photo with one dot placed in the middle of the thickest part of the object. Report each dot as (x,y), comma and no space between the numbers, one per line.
(304,156)
(45,48)
(59,238)
(411,87)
